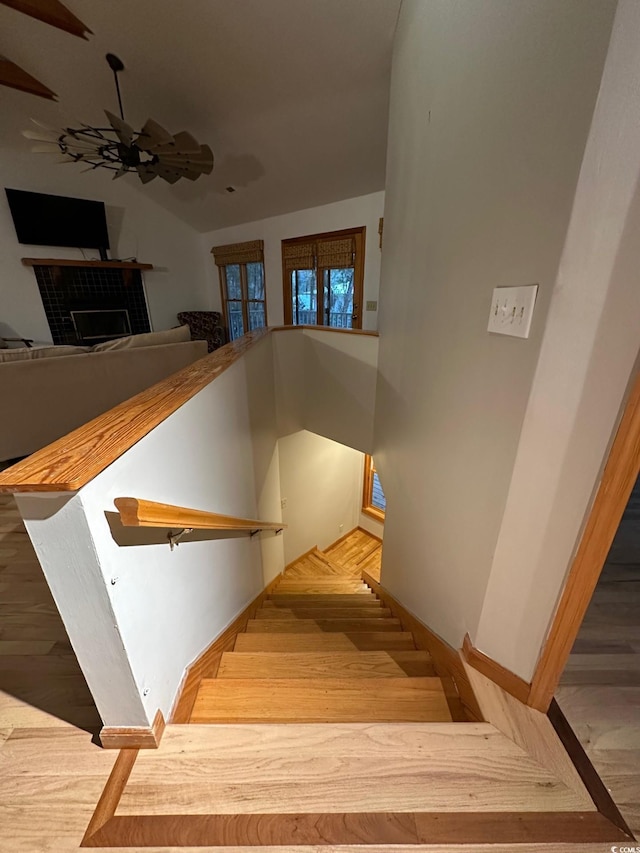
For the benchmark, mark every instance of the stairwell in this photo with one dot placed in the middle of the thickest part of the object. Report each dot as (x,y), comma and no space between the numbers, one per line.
(321,723)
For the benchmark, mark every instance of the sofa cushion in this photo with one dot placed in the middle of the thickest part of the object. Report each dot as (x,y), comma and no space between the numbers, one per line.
(32,353)
(179,335)
(3,344)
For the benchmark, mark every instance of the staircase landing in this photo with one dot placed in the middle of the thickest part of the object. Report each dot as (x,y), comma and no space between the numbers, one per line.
(322,724)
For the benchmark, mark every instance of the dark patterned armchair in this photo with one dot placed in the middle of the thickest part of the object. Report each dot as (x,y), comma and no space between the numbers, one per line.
(204,326)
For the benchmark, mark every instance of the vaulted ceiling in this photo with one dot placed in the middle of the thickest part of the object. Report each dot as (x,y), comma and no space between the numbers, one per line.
(292,95)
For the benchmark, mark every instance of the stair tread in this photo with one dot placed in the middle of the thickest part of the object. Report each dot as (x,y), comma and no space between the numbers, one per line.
(320,612)
(279,769)
(302,626)
(366,641)
(320,700)
(354,664)
(336,599)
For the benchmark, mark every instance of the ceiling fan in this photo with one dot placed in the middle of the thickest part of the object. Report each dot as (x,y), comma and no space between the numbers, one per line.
(152,152)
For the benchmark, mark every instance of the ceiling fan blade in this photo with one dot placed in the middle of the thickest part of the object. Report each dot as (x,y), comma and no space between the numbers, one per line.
(121,171)
(145,173)
(153,134)
(45,149)
(171,176)
(43,126)
(124,132)
(182,142)
(41,135)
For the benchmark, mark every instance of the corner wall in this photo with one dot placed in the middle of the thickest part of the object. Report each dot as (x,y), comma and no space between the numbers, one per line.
(321,482)
(490,109)
(350,213)
(587,360)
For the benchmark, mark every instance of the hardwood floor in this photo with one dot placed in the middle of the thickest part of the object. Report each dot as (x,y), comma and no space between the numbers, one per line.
(434,787)
(600,688)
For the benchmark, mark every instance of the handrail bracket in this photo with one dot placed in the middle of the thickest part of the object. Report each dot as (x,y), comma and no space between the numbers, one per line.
(174,538)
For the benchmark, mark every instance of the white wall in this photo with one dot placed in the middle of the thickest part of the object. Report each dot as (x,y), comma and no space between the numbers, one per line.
(588,355)
(490,109)
(321,481)
(352,213)
(218,452)
(137,227)
(165,607)
(326,383)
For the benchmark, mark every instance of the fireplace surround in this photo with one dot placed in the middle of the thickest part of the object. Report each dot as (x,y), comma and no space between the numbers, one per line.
(107,291)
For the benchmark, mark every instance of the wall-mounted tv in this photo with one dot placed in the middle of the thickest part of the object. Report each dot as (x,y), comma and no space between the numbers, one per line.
(54,220)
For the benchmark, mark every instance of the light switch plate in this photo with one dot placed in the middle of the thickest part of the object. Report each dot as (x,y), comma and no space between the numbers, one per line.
(372,305)
(512,310)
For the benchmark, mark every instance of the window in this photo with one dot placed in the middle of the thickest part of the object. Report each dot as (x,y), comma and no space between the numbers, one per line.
(242,284)
(322,279)
(374,502)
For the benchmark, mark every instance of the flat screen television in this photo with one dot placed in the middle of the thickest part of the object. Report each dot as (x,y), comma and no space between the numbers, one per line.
(54,220)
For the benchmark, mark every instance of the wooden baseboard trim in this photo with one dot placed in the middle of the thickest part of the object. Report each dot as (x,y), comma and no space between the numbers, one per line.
(134,737)
(462,701)
(369,533)
(338,541)
(206,664)
(301,557)
(509,681)
(591,780)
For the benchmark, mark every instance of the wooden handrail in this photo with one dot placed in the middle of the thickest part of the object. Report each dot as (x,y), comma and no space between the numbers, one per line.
(75,459)
(141,513)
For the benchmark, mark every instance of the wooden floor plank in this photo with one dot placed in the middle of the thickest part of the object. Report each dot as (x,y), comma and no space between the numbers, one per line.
(320,700)
(324,665)
(336,768)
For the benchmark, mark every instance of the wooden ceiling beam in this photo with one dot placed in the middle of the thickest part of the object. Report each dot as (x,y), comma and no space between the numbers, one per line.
(16,78)
(52,12)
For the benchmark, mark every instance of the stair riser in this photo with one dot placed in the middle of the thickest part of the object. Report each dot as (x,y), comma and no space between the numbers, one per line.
(304,626)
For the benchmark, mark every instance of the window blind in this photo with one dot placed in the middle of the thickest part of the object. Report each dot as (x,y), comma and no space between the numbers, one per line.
(239,253)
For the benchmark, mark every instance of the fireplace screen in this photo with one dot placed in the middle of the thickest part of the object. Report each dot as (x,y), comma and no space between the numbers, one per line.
(102,325)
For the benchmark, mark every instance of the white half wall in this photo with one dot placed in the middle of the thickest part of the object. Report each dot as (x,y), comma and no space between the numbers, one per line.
(138,227)
(491,105)
(153,610)
(321,482)
(351,213)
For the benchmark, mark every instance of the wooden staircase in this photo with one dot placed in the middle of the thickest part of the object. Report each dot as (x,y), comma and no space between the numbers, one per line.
(316,656)
(330,728)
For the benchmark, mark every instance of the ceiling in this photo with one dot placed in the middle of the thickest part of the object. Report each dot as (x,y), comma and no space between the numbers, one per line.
(292,95)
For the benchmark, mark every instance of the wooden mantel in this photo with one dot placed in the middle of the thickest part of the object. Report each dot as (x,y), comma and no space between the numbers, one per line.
(64,262)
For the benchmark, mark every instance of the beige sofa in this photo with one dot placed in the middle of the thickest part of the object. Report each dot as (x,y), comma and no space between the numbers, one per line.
(43,399)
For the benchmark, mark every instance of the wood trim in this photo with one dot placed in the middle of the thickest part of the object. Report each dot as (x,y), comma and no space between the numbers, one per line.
(354,829)
(141,513)
(107,265)
(367,491)
(338,541)
(206,664)
(112,792)
(301,557)
(369,533)
(51,12)
(461,698)
(509,681)
(590,778)
(72,461)
(14,77)
(290,328)
(135,737)
(359,234)
(619,476)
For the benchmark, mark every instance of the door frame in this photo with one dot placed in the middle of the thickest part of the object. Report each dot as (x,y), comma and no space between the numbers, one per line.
(359,234)
(618,479)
